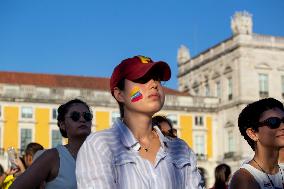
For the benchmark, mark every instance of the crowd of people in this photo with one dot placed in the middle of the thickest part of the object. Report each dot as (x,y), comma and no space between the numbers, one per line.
(141,149)
(21,164)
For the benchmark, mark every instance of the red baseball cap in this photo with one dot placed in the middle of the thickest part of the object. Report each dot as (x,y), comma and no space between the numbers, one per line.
(137,67)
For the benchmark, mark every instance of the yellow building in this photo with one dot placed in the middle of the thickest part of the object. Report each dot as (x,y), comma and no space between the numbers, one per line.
(28,104)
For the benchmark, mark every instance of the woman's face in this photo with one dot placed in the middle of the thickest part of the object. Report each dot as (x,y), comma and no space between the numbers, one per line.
(147,97)
(77,121)
(165,128)
(268,137)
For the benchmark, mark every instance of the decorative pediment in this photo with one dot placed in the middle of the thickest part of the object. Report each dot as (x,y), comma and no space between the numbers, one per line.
(205,78)
(228,69)
(195,84)
(215,75)
(185,88)
(263,66)
(229,124)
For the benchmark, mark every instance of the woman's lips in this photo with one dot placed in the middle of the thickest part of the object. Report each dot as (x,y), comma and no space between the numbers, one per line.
(83,126)
(154,95)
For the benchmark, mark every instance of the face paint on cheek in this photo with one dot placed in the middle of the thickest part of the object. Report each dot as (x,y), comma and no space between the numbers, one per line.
(135,94)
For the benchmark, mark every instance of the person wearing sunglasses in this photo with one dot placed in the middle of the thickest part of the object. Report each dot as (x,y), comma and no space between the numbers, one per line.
(55,168)
(132,153)
(261,123)
(165,125)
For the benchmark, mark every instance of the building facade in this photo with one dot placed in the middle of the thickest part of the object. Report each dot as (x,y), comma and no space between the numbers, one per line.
(28,104)
(239,70)
(214,86)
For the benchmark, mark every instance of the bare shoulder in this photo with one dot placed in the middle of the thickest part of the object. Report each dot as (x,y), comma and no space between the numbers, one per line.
(48,156)
(49,162)
(243,179)
(44,168)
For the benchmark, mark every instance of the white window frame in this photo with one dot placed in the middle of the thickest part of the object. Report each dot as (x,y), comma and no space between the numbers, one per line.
(263,83)
(207,89)
(55,129)
(218,89)
(51,128)
(197,121)
(230,87)
(196,145)
(231,147)
(112,117)
(26,126)
(51,114)
(174,119)
(27,118)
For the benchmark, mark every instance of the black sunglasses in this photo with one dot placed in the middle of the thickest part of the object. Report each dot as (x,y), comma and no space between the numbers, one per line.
(75,116)
(147,78)
(272,122)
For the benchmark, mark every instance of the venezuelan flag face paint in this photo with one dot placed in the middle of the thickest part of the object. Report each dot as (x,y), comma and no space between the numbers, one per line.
(135,94)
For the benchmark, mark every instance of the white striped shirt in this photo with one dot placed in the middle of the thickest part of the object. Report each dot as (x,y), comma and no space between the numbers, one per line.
(110,159)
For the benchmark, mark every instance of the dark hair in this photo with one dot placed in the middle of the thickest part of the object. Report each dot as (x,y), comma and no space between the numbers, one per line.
(249,116)
(202,172)
(63,110)
(121,86)
(159,119)
(1,170)
(23,162)
(156,120)
(32,148)
(222,173)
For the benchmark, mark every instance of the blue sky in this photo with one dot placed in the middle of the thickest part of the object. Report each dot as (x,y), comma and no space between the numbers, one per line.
(89,37)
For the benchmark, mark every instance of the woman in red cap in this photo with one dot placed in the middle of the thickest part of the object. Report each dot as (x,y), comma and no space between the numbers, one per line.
(133,154)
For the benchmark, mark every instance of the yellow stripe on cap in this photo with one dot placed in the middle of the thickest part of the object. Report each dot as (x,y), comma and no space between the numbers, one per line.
(144,59)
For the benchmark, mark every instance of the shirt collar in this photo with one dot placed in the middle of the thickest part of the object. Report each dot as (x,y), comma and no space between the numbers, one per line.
(162,138)
(126,136)
(128,139)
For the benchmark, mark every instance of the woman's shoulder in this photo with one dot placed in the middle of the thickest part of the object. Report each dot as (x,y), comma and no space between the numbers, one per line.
(242,178)
(177,144)
(180,152)
(48,157)
(99,140)
(48,154)
(101,135)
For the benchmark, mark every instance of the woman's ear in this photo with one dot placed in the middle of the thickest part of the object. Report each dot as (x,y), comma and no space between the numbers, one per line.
(252,134)
(62,125)
(118,94)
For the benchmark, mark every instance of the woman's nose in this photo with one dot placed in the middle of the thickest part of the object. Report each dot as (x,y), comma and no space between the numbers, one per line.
(153,83)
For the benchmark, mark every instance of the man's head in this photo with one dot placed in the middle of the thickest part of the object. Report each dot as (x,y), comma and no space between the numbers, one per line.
(137,69)
(249,118)
(30,151)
